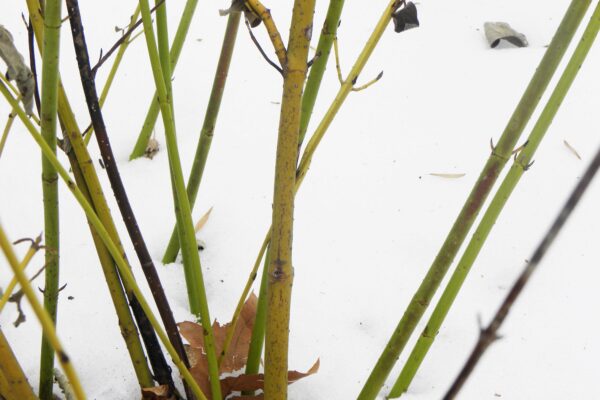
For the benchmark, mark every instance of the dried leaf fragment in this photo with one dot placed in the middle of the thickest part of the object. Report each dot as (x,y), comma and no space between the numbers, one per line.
(448,176)
(203,220)
(496,31)
(17,70)
(236,357)
(250,383)
(572,149)
(240,6)
(161,392)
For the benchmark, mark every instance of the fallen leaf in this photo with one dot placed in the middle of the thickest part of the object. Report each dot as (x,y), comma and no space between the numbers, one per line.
(202,221)
(236,357)
(448,176)
(249,383)
(572,149)
(161,392)
(237,354)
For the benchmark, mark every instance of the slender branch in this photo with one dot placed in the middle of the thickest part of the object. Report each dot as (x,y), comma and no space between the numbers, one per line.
(338,68)
(243,297)
(32,64)
(88,180)
(120,41)
(35,246)
(489,335)
(521,163)
(152,114)
(7,127)
(208,126)
(101,232)
(479,193)
(87,133)
(260,49)
(313,82)
(265,15)
(185,225)
(314,142)
(45,320)
(48,119)
(161,368)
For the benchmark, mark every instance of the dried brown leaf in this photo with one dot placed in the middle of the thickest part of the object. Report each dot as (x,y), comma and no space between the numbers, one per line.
(161,392)
(249,383)
(236,357)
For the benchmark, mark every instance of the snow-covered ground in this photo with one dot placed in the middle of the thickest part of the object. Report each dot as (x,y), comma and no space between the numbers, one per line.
(369,217)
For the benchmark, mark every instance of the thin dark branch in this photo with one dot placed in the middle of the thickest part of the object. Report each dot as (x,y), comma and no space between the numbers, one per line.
(260,49)
(312,60)
(31,45)
(489,335)
(118,43)
(161,368)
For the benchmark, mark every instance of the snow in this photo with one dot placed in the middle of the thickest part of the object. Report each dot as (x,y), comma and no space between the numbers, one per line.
(369,217)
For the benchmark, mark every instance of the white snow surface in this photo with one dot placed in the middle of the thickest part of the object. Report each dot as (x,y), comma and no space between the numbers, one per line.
(369,219)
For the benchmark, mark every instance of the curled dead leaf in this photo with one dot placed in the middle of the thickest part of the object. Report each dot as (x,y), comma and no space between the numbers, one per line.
(250,383)
(161,392)
(235,358)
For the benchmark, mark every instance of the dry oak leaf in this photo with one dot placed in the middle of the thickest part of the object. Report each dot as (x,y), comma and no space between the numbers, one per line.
(237,354)
(236,357)
(249,383)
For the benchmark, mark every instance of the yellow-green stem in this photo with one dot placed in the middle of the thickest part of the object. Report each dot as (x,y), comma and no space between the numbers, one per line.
(313,82)
(17,387)
(496,206)
(82,159)
(470,210)
(90,180)
(185,225)
(7,127)
(345,89)
(114,250)
(38,309)
(49,100)
(208,126)
(24,263)
(152,115)
(281,272)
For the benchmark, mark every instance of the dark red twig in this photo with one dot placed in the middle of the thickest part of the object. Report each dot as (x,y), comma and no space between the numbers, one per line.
(118,43)
(260,49)
(489,335)
(161,369)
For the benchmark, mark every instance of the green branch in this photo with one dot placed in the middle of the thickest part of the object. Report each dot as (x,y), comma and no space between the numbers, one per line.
(185,226)
(49,104)
(208,127)
(477,197)
(520,165)
(152,115)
